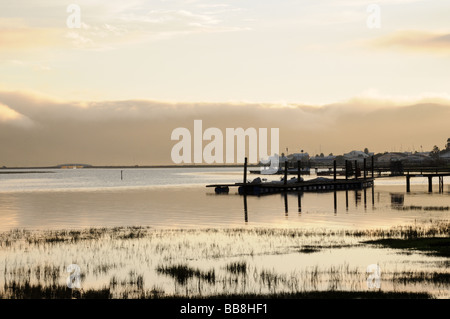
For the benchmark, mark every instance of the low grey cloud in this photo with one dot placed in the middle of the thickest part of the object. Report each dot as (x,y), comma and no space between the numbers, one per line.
(138,132)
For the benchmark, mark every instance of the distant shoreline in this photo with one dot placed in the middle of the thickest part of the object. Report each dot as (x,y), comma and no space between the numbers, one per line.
(133,166)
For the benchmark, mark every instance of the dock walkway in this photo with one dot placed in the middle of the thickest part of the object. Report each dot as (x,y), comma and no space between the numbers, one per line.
(316,185)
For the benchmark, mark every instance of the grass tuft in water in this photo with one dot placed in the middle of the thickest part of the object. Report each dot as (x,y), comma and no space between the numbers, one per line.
(436,246)
(182,273)
(237,268)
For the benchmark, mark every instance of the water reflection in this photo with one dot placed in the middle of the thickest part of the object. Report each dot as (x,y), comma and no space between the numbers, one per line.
(397,200)
(300,194)
(286,209)
(245,209)
(299,197)
(192,206)
(383,202)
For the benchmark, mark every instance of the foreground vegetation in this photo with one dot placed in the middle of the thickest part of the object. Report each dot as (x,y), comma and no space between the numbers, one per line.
(62,292)
(140,262)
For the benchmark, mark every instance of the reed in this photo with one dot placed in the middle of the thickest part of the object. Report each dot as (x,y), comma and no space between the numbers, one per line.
(141,262)
(182,273)
(237,268)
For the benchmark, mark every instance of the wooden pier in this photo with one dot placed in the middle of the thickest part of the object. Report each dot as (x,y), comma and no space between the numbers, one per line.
(440,176)
(357,179)
(319,184)
(306,186)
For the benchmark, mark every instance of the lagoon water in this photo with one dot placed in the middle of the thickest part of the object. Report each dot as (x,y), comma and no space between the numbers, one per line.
(281,247)
(178,198)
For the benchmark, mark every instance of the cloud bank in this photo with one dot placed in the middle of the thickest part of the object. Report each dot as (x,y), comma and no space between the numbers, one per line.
(41,131)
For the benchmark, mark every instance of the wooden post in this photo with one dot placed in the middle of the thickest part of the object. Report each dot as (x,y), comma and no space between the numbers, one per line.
(430,184)
(298,171)
(346,169)
(121,175)
(245,171)
(285,172)
(356,169)
(364,167)
(408,187)
(334,170)
(372,166)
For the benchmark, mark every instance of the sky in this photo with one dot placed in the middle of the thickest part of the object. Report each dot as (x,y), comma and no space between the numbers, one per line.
(332,75)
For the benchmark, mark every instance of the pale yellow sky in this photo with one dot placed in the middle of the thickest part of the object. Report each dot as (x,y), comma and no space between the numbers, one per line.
(238,57)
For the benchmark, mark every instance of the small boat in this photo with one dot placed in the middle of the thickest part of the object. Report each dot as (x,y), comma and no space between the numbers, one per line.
(293,180)
(267,171)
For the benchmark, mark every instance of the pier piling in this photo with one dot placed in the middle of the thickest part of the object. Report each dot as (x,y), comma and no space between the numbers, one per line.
(334,170)
(373,165)
(364,168)
(346,169)
(430,184)
(245,171)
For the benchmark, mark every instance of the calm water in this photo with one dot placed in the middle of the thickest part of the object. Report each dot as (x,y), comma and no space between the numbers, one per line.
(168,199)
(178,198)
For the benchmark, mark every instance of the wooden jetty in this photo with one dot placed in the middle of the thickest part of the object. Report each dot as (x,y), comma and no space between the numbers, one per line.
(430,176)
(315,185)
(358,180)
(306,186)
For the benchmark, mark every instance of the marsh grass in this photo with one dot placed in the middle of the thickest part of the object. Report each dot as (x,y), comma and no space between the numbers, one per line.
(27,291)
(237,268)
(308,249)
(437,246)
(140,262)
(331,294)
(182,273)
(438,278)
